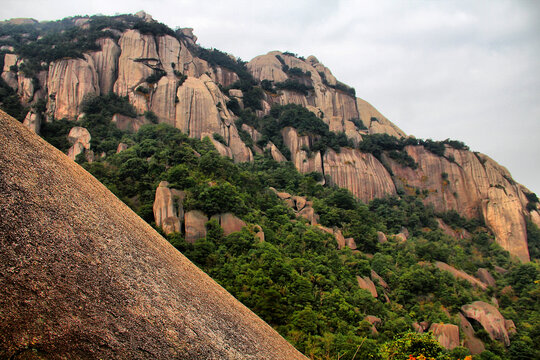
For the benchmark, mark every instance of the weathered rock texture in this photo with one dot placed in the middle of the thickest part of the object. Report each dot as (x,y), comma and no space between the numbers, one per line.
(99,281)
(490,318)
(229,223)
(366,284)
(461,275)
(471,342)
(446,334)
(168,208)
(195,225)
(79,137)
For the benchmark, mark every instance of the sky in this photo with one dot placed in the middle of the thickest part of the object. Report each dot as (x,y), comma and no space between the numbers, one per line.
(465,70)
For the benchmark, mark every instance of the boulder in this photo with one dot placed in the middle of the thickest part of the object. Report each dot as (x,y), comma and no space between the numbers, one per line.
(106,63)
(121,147)
(339,238)
(381,237)
(460,275)
(485,276)
(259,233)
(274,152)
(446,334)
(417,328)
(168,208)
(195,225)
(83,276)
(32,121)
(127,123)
(375,276)
(366,284)
(229,223)
(490,318)
(299,202)
(471,342)
(510,327)
(79,137)
(350,243)
(309,214)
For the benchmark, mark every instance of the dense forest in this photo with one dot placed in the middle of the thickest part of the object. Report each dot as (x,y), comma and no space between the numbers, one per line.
(298,280)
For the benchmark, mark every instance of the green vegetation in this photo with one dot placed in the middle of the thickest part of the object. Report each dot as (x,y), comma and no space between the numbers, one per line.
(10,102)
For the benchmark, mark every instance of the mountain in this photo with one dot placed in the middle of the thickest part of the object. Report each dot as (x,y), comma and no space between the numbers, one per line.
(172,80)
(82,276)
(320,215)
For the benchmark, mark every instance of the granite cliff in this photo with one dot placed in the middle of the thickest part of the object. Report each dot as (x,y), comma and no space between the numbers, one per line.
(169,76)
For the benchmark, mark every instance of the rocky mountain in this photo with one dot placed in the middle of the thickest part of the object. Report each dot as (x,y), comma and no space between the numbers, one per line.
(82,276)
(169,79)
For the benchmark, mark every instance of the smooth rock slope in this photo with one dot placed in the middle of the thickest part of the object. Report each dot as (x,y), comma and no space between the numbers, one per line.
(81,276)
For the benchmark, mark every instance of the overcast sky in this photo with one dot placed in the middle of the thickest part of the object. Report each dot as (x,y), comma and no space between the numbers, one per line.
(466,70)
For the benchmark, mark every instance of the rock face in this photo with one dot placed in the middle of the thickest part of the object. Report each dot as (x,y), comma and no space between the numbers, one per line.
(446,334)
(68,82)
(461,275)
(471,342)
(79,137)
(490,318)
(195,225)
(106,64)
(95,281)
(485,276)
(367,284)
(168,208)
(230,223)
(472,184)
(33,121)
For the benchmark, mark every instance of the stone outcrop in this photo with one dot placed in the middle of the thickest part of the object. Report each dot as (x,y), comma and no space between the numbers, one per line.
(195,225)
(485,276)
(106,64)
(375,276)
(32,121)
(127,123)
(472,184)
(446,334)
(490,318)
(79,138)
(375,122)
(168,208)
(362,174)
(471,342)
(459,274)
(99,281)
(229,223)
(366,284)
(68,82)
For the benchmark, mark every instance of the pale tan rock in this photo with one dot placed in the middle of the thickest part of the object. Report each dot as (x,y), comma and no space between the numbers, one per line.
(32,121)
(379,126)
(22,21)
(339,238)
(127,123)
(283,195)
(362,174)
(400,238)
(169,53)
(485,276)
(75,150)
(309,214)
(195,225)
(471,342)
(299,202)
(255,135)
(460,274)
(229,223)
(224,76)
(9,61)
(237,93)
(259,233)
(138,54)
(457,234)
(121,147)
(275,153)
(299,157)
(25,89)
(69,82)
(11,79)
(490,318)
(168,208)
(417,327)
(367,284)
(510,327)
(381,237)
(375,276)
(222,149)
(350,243)
(106,64)
(163,100)
(446,334)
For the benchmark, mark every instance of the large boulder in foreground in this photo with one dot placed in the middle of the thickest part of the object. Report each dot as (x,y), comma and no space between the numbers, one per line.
(99,282)
(446,334)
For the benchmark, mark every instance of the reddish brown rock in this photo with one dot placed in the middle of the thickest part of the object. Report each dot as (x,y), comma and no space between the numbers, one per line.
(168,208)
(350,243)
(366,284)
(457,234)
(99,282)
(375,276)
(471,342)
(446,334)
(79,137)
(461,275)
(485,276)
(381,237)
(490,318)
(229,223)
(510,327)
(339,239)
(259,233)
(121,147)
(195,225)
(418,328)
(309,214)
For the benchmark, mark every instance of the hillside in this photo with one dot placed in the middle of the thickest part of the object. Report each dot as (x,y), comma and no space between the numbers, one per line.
(320,215)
